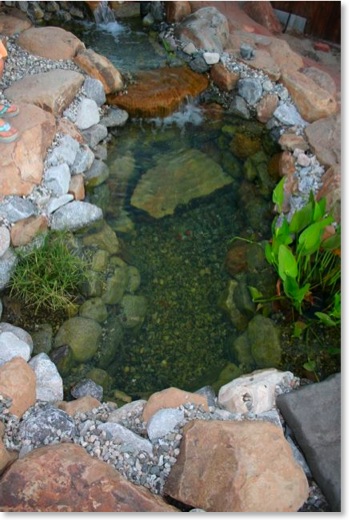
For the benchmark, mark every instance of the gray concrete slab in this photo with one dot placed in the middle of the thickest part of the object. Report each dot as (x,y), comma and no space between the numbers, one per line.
(313,412)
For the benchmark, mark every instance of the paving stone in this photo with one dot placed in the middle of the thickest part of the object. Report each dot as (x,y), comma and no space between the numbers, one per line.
(313,412)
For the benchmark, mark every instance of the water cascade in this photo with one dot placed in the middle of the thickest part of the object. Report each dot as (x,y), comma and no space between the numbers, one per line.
(103,14)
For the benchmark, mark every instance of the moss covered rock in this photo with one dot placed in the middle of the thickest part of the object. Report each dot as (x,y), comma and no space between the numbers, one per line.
(264,339)
(82,335)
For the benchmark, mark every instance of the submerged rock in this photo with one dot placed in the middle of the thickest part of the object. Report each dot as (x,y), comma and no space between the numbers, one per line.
(177,180)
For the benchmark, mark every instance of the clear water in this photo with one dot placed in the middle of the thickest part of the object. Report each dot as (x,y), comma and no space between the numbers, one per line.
(183,341)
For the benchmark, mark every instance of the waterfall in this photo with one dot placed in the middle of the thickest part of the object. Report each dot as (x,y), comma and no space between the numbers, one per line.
(103,14)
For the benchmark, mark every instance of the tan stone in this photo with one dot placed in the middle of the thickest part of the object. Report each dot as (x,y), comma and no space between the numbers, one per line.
(262,12)
(159,92)
(22,162)
(171,398)
(63,478)
(266,107)
(18,381)
(176,11)
(324,137)
(264,61)
(223,78)
(67,127)
(6,457)
(231,466)
(77,187)
(13,21)
(331,190)
(99,67)
(290,142)
(287,164)
(312,102)
(25,230)
(81,405)
(285,58)
(321,78)
(53,91)
(176,180)
(53,43)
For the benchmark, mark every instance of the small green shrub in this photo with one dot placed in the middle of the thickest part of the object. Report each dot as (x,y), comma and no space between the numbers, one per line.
(48,277)
(306,262)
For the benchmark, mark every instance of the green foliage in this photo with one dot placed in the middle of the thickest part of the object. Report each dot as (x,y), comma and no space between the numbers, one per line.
(48,277)
(303,260)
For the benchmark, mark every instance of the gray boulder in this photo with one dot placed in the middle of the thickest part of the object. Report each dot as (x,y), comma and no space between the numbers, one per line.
(49,384)
(288,115)
(94,90)
(65,152)
(95,134)
(250,89)
(115,117)
(87,114)
(97,174)
(75,215)
(83,160)
(15,208)
(11,346)
(164,422)
(87,387)
(131,442)
(57,179)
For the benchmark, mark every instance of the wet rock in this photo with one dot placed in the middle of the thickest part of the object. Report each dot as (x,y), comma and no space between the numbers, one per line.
(133,310)
(49,384)
(229,372)
(87,114)
(53,91)
(239,107)
(104,239)
(50,42)
(174,181)
(228,305)
(55,468)
(207,29)
(244,145)
(87,387)
(111,342)
(94,309)
(134,279)
(45,424)
(250,89)
(241,352)
(63,359)
(101,378)
(223,78)
(115,117)
(57,179)
(171,398)
(18,382)
(94,90)
(256,392)
(96,174)
(99,67)
(159,92)
(116,285)
(82,335)
(75,215)
(261,481)
(198,64)
(264,339)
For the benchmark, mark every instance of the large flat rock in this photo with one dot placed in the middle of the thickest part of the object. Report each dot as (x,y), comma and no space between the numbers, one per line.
(177,179)
(53,91)
(50,42)
(313,412)
(22,162)
(159,92)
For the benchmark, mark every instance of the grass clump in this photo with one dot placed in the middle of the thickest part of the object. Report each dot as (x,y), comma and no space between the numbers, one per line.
(48,277)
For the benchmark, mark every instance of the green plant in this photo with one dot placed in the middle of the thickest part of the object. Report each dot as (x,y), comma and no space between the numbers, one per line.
(48,277)
(305,262)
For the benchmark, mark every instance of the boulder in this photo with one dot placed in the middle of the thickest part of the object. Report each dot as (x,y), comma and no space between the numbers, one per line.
(159,92)
(83,160)
(256,392)
(87,114)
(75,215)
(19,332)
(105,239)
(133,311)
(324,137)
(66,152)
(18,381)
(266,107)
(312,101)
(176,180)
(99,67)
(49,384)
(5,240)
(64,478)
(22,162)
(207,29)
(285,58)
(172,398)
(321,78)
(241,473)
(45,424)
(52,43)
(6,457)
(24,231)
(163,422)
(8,262)
(263,13)
(263,61)
(87,387)
(82,335)
(94,309)
(94,90)
(176,11)
(53,91)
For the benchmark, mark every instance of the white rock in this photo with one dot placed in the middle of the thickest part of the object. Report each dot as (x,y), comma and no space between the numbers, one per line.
(20,333)
(11,346)
(5,240)
(49,384)
(190,48)
(211,57)
(131,442)
(57,179)
(87,114)
(75,215)
(163,422)
(256,392)
(57,202)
